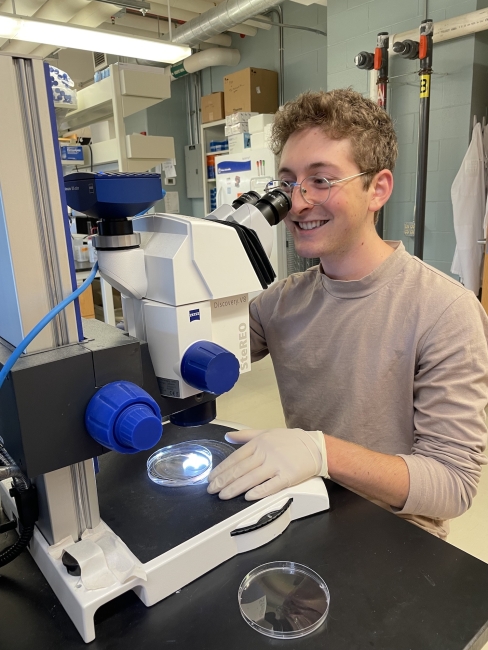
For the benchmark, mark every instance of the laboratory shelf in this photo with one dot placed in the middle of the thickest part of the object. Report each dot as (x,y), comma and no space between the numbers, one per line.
(136,87)
(143,152)
(94,105)
(125,91)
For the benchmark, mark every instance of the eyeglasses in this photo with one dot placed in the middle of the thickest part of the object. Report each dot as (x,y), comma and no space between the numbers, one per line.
(314,189)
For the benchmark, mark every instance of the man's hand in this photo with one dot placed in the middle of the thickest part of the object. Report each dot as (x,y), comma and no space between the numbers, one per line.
(271,460)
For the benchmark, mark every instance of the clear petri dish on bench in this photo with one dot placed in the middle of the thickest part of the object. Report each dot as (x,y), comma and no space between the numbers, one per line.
(284,600)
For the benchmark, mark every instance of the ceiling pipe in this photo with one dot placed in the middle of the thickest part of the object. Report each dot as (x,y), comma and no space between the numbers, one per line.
(153,26)
(205,59)
(186,16)
(200,6)
(445,30)
(219,19)
(186,10)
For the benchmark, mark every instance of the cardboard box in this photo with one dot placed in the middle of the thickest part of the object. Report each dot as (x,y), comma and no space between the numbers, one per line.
(87,308)
(238,118)
(258,122)
(251,90)
(212,107)
(239,142)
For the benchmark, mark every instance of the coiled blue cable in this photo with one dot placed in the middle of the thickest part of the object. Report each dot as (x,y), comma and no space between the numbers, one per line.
(42,324)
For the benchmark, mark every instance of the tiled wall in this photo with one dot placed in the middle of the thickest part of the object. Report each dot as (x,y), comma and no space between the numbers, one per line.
(352,27)
(305,52)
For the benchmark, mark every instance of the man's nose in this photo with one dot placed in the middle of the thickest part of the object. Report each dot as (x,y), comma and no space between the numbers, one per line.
(298,203)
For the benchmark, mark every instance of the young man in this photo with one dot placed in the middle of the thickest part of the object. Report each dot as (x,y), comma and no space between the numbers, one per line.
(381,360)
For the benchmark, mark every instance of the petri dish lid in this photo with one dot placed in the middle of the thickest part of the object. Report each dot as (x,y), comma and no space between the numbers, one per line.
(219,450)
(284,600)
(178,465)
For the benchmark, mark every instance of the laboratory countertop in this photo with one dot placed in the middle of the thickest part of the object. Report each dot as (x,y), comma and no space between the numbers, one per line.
(392,587)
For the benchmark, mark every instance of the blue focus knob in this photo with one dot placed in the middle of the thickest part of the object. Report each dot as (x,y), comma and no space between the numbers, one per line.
(138,427)
(124,418)
(209,367)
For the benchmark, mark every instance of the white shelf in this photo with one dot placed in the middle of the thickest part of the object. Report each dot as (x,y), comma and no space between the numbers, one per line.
(104,152)
(143,152)
(157,147)
(63,108)
(209,125)
(94,105)
(127,90)
(139,87)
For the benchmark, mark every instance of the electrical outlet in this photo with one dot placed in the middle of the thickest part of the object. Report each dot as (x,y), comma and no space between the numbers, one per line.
(409,228)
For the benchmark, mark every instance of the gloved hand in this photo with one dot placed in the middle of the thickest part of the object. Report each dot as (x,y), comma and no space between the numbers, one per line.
(271,460)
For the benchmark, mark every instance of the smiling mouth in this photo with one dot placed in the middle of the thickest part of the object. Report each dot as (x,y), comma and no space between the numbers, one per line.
(310,225)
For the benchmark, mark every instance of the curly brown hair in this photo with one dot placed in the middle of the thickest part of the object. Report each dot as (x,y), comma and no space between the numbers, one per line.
(342,113)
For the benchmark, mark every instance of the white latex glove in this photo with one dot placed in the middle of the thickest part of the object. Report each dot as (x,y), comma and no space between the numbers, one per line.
(271,460)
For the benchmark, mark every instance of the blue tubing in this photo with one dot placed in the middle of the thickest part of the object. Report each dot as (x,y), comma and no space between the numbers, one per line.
(42,324)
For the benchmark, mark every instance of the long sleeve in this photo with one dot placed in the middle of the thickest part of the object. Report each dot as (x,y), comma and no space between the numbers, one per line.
(450,394)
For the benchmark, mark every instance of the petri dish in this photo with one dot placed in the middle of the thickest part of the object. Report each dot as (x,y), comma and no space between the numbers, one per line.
(219,451)
(284,600)
(178,465)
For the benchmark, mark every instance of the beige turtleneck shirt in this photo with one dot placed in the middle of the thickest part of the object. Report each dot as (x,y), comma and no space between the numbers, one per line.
(396,362)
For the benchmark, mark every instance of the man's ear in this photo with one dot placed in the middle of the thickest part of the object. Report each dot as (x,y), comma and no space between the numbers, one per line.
(380,189)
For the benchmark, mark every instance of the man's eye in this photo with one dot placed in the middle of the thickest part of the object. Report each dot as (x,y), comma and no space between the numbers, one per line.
(320,182)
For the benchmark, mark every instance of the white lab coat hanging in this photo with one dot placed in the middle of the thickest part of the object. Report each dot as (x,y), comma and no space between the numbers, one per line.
(468,203)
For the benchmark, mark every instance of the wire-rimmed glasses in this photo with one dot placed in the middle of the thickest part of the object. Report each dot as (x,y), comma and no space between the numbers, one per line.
(314,189)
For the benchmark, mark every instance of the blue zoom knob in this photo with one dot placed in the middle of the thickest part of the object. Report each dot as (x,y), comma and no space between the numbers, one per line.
(208,367)
(124,418)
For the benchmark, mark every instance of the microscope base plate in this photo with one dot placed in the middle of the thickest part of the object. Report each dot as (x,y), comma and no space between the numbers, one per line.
(184,563)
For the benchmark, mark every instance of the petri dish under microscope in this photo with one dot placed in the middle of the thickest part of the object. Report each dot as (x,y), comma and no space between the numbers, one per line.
(179,465)
(219,450)
(284,600)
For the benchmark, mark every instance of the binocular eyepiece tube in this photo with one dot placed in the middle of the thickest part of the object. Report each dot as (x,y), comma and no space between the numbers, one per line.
(274,205)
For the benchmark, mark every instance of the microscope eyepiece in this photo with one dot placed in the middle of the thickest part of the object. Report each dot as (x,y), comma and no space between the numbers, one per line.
(248,197)
(274,206)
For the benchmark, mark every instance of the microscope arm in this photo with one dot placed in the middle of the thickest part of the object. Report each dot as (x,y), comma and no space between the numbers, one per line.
(124,270)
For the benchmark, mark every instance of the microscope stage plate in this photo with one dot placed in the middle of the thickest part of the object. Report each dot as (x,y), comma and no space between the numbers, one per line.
(151,518)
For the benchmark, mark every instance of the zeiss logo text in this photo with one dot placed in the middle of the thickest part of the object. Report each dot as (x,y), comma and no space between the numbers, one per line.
(194,314)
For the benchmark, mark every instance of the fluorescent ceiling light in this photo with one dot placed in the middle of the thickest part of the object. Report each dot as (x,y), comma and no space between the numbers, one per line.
(84,38)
